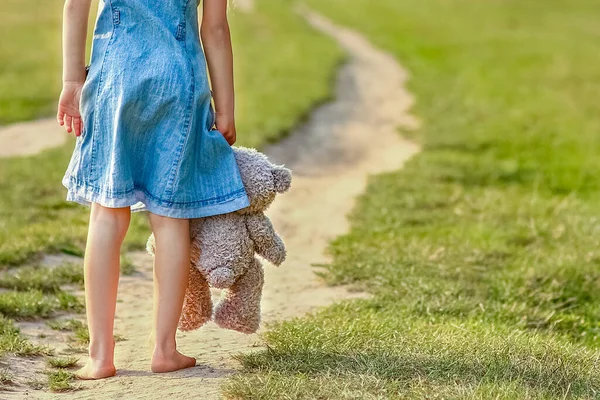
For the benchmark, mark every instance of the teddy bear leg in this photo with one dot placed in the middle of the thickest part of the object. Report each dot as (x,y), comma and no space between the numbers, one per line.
(239,310)
(197,305)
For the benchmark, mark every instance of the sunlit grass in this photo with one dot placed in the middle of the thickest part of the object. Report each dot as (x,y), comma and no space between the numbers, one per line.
(47,280)
(81,335)
(12,342)
(482,254)
(29,80)
(60,380)
(62,362)
(34,304)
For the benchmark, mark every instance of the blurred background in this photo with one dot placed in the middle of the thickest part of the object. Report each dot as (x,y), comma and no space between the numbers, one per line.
(482,254)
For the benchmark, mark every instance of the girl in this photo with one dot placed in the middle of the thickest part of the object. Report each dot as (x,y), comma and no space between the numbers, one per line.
(143,121)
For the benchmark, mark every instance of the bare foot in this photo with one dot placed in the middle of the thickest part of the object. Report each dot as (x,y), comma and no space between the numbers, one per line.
(171,362)
(96,370)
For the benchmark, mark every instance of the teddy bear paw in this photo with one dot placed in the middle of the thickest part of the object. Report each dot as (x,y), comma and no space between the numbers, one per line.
(231,319)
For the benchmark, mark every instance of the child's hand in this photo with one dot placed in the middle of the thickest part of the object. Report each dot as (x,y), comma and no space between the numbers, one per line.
(226,125)
(68,107)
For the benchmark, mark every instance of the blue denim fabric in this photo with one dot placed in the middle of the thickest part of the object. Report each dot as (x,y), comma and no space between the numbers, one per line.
(148,140)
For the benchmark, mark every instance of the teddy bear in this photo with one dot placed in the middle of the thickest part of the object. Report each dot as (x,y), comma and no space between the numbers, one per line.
(223,251)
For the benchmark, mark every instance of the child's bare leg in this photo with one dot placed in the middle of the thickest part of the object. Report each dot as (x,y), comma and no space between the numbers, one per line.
(171,269)
(107,230)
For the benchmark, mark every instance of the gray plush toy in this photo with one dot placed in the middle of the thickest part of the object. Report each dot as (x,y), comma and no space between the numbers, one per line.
(223,249)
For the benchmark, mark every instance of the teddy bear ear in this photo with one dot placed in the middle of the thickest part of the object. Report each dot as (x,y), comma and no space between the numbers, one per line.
(282,177)
(150,245)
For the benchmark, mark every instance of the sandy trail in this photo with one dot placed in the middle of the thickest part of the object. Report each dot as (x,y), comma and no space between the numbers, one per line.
(244,5)
(331,156)
(28,138)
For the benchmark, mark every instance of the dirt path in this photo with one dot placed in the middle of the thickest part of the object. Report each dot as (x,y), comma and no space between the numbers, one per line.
(332,156)
(29,138)
(244,5)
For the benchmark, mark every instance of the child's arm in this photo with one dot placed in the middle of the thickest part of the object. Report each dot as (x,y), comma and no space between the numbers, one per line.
(217,47)
(75,24)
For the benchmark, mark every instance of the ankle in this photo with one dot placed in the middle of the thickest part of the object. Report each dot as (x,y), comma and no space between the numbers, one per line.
(102,350)
(165,348)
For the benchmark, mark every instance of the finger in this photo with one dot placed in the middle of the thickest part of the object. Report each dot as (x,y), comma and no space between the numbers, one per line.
(60,117)
(77,126)
(68,122)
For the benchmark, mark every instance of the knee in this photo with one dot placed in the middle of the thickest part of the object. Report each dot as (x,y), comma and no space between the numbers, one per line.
(176,226)
(116,219)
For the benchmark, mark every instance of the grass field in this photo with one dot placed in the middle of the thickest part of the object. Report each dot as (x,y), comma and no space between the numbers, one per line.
(35,219)
(483,253)
(29,67)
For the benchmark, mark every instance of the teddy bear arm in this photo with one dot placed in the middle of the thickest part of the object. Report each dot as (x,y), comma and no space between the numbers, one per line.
(267,243)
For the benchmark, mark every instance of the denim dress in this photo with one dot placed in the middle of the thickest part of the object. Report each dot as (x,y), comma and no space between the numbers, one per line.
(148,138)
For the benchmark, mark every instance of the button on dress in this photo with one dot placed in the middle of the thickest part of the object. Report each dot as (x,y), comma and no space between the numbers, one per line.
(148,138)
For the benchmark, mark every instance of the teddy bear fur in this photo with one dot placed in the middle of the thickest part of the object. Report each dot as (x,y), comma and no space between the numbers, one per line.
(223,251)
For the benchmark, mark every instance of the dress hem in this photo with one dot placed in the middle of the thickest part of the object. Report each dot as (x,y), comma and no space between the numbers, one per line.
(139,200)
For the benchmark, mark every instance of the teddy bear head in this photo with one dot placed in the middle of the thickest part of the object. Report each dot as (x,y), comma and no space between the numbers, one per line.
(262,179)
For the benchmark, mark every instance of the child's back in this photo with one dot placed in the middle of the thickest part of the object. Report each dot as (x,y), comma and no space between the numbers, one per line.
(147,105)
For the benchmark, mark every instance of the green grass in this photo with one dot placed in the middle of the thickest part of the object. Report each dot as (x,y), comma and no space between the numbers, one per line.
(47,280)
(276,53)
(36,304)
(30,67)
(81,335)
(12,342)
(127,266)
(60,380)
(65,325)
(35,292)
(482,254)
(28,79)
(62,362)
